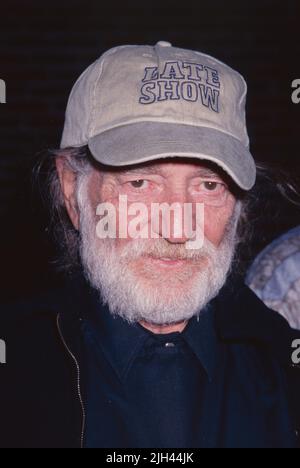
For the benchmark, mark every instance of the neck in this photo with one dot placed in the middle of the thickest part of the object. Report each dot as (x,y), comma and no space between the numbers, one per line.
(165,329)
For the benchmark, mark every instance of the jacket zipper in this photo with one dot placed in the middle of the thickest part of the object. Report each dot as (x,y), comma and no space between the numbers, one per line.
(78,380)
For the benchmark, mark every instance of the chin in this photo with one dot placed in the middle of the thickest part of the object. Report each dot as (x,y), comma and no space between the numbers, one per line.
(165,288)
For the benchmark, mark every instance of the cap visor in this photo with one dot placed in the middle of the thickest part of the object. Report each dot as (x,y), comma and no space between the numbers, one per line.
(147,141)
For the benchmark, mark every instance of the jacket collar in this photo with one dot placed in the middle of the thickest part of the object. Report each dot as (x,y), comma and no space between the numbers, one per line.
(241,317)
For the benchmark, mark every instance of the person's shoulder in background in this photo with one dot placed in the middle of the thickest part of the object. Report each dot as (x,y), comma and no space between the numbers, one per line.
(275,276)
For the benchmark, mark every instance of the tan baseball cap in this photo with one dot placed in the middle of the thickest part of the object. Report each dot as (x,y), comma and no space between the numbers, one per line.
(142,103)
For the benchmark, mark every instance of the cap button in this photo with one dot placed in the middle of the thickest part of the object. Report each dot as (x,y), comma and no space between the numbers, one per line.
(164,44)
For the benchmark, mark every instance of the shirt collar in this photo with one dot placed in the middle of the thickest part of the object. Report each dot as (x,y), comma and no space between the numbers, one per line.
(201,337)
(121,341)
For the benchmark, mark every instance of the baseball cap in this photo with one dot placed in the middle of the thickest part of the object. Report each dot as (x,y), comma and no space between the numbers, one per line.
(141,103)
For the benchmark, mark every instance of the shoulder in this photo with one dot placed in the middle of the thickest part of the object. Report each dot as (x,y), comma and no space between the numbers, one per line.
(242,317)
(63,299)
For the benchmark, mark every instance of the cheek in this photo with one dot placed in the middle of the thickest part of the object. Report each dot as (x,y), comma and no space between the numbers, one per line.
(216,220)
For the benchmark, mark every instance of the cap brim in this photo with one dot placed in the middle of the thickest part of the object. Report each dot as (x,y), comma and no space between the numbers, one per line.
(147,141)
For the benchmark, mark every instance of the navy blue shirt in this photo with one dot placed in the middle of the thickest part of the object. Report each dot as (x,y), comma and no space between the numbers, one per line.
(156,382)
(180,390)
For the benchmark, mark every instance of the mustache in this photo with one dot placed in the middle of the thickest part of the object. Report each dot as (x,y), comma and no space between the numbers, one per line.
(162,248)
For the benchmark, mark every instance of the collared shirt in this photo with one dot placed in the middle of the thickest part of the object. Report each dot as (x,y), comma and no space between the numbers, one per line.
(180,390)
(156,382)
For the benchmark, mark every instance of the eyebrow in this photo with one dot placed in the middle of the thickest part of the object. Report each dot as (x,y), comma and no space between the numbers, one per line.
(140,170)
(205,172)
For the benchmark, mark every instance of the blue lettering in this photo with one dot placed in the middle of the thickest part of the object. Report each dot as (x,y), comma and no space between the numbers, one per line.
(209,97)
(194,69)
(151,73)
(148,96)
(212,77)
(168,90)
(172,71)
(189,91)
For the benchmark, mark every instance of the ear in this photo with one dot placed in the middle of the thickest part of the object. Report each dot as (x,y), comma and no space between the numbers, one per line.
(67,180)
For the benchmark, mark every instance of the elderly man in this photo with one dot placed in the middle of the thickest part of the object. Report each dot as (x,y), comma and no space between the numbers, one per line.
(152,343)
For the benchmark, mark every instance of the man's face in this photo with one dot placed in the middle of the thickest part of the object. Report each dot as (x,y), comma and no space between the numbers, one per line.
(158,279)
(168,182)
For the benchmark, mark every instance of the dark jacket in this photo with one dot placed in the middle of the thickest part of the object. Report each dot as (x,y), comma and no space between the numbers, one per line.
(40,387)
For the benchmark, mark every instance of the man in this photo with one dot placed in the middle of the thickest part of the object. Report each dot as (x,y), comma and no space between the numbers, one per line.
(154,344)
(275,276)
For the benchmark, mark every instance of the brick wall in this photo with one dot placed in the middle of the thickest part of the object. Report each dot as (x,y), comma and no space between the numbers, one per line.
(45,46)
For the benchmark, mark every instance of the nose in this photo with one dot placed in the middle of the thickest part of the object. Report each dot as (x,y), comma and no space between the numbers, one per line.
(173,220)
(172,239)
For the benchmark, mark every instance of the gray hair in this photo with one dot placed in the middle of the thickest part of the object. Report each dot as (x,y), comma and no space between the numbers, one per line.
(67,239)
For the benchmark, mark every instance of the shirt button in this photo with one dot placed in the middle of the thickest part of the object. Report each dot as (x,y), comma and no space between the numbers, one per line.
(170,345)
(164,44)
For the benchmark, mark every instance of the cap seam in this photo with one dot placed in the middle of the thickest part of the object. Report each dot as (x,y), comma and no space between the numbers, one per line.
(109,53)
(91,126)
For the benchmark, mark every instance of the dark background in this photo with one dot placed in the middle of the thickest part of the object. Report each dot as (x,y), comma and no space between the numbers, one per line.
(46,45)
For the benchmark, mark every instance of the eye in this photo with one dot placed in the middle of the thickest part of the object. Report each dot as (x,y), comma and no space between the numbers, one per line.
(211,186)
(139,183)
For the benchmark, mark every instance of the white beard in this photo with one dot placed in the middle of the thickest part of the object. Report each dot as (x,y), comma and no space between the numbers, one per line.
(155,295)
